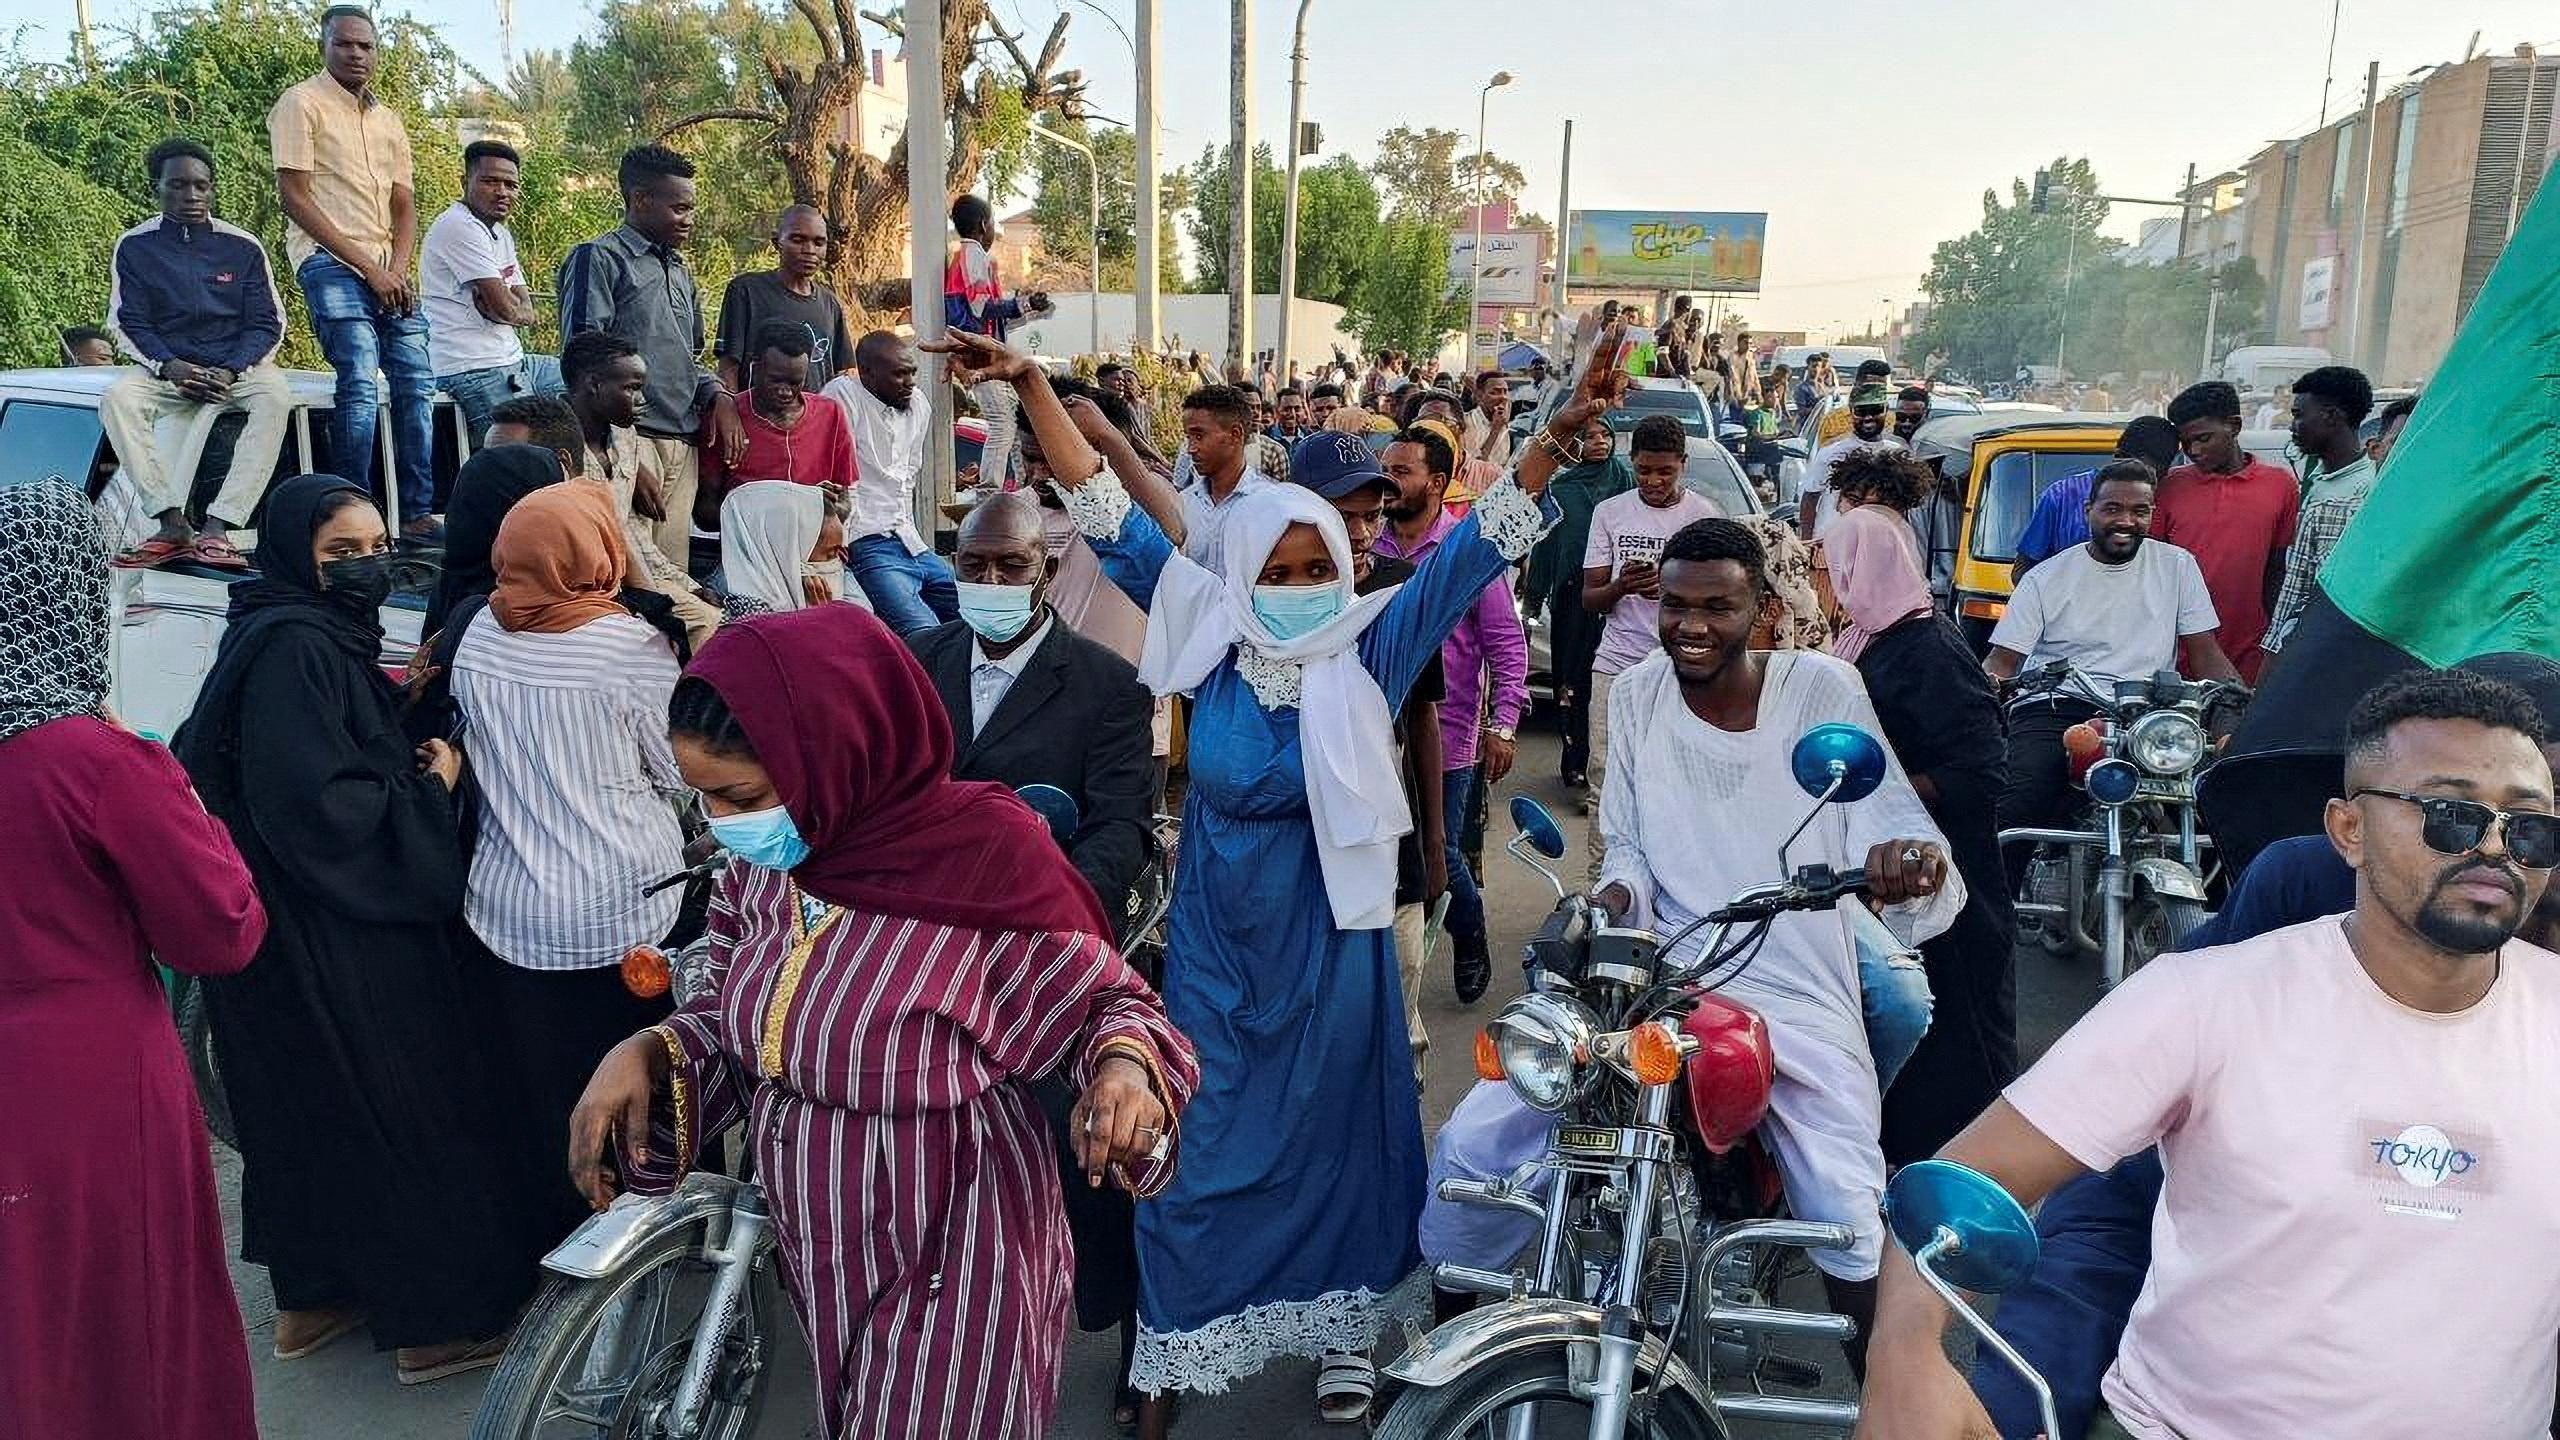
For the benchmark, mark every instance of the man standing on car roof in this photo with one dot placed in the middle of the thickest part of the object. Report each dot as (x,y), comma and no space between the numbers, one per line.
(195,305)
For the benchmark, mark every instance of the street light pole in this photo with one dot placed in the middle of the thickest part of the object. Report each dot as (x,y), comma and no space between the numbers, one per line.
(2212,324)
(1143,290)
(1092,227)
(1564,235)
(1475,257)
(1288,203)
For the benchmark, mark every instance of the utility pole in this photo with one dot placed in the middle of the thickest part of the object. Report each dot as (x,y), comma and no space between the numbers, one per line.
(1093,226)
(2329,69)
(2186,211)
(2212,324)
(1240,189)
(928,224)
(2364,215)
(1289,202)
(1563,237)
(89,46)
(1143,292)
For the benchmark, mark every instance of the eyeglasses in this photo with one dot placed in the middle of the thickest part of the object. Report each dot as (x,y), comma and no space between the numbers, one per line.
(2456,827)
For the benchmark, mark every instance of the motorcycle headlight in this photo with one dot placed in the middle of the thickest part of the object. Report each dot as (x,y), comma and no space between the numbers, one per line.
(1544,1043)
(2166,742)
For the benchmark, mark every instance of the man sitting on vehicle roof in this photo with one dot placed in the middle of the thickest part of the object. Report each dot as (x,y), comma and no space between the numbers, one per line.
(195,305)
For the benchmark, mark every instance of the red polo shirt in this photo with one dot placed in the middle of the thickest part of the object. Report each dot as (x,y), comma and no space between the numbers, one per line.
(2236,526)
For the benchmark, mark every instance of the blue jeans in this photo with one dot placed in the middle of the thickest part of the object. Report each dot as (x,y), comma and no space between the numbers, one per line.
(1895,999)
(908,592)
(478,393)
(2069,1315)
(361,338)
(1466,903)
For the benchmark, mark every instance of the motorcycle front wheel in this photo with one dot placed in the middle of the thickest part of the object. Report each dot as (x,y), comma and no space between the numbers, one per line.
(1529,1395)
(601,1359)
(2155,924)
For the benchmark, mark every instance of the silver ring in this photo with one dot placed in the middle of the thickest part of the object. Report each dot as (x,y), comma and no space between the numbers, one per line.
(1163,1147)
(1911,855)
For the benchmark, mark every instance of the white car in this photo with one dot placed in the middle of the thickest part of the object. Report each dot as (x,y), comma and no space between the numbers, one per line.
(168,622)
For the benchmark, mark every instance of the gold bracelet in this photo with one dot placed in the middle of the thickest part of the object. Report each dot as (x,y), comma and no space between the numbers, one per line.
(679,1101)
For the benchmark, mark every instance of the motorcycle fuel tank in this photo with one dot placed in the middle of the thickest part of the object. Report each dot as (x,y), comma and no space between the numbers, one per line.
(1729,1077)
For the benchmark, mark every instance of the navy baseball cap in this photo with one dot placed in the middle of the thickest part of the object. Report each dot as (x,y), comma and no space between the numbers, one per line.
(1336,465)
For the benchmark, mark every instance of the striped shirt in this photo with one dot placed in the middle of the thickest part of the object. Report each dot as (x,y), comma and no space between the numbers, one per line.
(567,739)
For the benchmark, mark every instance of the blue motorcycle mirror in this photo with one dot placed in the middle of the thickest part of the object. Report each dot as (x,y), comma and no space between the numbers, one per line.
(1531,819)
(1993,1243)
(1055,806)
(1842,752)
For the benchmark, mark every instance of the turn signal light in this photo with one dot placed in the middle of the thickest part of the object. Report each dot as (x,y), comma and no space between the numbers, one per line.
(645,972)
(1983,609)
(1488,1057)
(1653,1053)
(2082,740)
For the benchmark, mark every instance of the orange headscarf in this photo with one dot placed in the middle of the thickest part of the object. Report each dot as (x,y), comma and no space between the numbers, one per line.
(559,559)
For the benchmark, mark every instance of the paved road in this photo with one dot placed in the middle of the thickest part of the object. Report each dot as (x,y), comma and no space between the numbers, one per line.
(347,1392)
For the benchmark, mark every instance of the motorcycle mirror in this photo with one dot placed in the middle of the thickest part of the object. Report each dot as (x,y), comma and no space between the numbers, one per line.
(1532,820)
(1838,762)
(1055,806)
(1982,1238)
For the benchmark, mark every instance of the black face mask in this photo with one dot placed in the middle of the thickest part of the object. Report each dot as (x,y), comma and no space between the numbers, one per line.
(359,583)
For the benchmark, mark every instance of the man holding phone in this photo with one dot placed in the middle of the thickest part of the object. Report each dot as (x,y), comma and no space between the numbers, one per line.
(1621,574)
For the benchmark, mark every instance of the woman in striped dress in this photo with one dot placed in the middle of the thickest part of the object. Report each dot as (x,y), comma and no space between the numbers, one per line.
(901,955)
(563,695)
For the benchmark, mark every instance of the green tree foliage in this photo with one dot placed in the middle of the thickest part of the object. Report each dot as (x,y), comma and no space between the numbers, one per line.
(211,73)
(1402,301)
(1339,225)
(1429,174)
(54,227)
(1062,194)
(2002,295)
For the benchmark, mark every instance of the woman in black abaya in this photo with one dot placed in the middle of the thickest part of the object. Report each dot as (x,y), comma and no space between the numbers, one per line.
(371,1188)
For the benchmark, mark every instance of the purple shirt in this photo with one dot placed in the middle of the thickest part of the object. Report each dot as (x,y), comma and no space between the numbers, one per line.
(1489,637)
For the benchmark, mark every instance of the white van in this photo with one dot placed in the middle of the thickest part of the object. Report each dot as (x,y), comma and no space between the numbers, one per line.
(2259,369)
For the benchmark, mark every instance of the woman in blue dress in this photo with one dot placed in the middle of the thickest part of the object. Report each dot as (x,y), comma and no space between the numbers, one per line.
(1293,1214)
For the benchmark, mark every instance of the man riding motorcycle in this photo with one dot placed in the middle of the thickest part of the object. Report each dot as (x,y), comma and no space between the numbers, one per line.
(1697,812)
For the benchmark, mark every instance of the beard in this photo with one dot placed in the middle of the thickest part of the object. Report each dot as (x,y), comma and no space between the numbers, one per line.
(2459,933)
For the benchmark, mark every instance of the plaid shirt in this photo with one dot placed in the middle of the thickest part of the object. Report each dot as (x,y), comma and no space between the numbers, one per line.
(2333,500)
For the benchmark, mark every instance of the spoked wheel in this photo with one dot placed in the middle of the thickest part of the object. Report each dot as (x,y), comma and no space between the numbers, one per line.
(1529,1395)
(602,1359)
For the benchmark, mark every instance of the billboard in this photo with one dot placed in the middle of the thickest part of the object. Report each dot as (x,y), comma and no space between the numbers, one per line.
(2319,300)
(1510,265)
(1667,249)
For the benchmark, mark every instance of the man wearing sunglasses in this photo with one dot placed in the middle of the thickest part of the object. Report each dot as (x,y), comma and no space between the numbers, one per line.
(2351,1112)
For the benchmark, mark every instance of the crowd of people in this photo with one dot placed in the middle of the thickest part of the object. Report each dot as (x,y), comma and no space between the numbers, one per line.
(412,902)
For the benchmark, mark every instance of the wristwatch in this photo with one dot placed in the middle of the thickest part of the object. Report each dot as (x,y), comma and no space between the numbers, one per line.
(1501,732)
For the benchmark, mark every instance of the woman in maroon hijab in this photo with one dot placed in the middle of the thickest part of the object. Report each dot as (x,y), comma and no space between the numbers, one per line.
(901,955)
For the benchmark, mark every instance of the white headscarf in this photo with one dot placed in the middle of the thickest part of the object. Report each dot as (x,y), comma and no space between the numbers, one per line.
(1346,733)
(767,529)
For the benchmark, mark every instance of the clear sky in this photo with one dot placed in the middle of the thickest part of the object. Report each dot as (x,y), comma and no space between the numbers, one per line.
(1867,130)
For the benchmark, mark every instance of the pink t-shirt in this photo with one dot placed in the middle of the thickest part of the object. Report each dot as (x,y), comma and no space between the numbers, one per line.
(2360,1235)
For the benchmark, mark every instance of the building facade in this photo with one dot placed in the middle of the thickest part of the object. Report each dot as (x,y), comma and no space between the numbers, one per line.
(2374,245)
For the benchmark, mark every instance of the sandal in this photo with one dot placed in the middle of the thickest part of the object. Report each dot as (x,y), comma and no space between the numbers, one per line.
(316,1330)
(156,551)
(418,1365)
(219,552)
(1345,1384)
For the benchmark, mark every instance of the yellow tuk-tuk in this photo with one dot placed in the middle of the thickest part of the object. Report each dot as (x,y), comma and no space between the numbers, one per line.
(2001,461)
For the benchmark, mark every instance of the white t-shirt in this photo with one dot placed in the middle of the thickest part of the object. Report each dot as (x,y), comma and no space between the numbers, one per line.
(2112,622)
(459,250)
(1817,476)
(1623,529)
(2360,1231)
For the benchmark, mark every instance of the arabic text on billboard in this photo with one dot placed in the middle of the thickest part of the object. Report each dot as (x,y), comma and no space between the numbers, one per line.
(1668,249)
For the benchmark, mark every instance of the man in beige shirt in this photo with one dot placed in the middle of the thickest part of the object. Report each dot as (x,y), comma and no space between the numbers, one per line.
(351,233)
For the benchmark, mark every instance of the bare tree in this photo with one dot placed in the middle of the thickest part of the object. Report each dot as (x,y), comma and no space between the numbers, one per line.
(986,76)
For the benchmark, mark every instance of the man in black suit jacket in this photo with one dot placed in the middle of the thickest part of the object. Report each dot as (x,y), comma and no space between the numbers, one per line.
(1033,703)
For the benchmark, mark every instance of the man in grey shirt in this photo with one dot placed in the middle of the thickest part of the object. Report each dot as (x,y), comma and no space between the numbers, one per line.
(633,282)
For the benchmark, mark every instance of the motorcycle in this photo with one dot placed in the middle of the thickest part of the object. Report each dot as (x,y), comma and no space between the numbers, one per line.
(655,1319)
(2132,882)
(1661,1229)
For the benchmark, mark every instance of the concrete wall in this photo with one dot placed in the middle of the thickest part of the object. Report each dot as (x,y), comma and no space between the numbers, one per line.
(1186,322)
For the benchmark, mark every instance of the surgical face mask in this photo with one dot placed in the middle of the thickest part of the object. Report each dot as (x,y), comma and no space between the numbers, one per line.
(997,612)
(761,837)
(828,572)
(359,582)
(1289,611)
